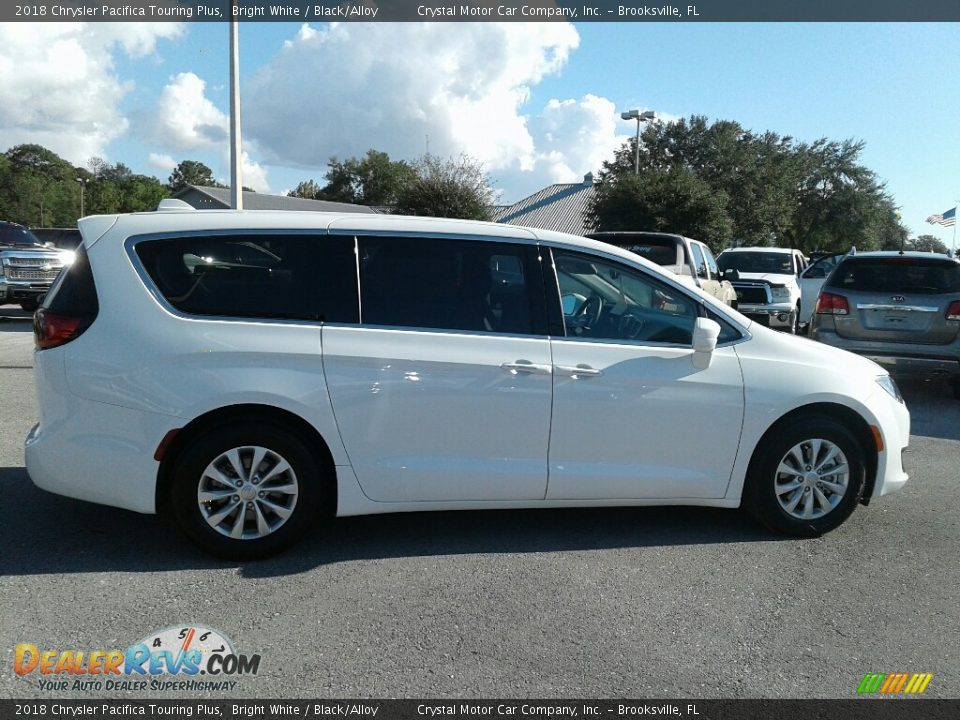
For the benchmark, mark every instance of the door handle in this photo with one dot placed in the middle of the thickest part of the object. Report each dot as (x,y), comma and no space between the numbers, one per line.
(525,366)
(579,371)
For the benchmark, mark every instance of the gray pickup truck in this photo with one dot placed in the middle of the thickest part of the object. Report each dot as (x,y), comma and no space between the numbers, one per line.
(28,267)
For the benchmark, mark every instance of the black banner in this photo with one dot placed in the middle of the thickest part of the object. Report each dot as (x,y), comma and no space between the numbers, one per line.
(861,709)
(483,11)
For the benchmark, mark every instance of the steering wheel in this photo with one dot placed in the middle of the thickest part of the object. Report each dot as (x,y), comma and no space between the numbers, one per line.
(589,314)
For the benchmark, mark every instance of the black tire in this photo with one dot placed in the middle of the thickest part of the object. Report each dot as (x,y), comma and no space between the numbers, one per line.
(29,304)
(760,498)
(201,451)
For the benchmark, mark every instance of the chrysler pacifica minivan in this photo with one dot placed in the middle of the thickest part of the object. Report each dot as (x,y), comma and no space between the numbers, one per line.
(252,372)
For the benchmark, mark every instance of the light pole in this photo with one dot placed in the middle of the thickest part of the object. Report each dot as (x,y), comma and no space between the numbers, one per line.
(639,117)
(236,171)
(83,186)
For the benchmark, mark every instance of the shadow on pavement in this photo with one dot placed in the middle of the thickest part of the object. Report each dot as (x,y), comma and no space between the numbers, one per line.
(934,412)
(42,533)
(22,322)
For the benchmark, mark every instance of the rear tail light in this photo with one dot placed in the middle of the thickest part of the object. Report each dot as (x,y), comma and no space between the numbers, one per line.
(51,330)
(830,304)
(953,312)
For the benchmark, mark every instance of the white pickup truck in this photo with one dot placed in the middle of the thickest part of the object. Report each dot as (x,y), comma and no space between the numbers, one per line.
(765,279)
(690,259)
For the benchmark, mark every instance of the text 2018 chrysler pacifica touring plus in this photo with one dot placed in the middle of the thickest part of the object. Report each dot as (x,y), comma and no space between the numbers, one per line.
(250,371)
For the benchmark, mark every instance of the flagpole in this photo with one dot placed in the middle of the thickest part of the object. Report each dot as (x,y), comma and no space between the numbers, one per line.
(953,243)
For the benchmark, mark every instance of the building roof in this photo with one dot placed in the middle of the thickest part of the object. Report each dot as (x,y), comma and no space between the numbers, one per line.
(219,199)
(561,207)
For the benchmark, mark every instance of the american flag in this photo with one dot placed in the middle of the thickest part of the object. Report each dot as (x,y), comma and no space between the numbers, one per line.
(947,219)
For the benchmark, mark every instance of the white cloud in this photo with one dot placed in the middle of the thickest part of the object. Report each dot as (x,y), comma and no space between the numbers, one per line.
(162,162)
(186,120)
(345,88)
(60,88)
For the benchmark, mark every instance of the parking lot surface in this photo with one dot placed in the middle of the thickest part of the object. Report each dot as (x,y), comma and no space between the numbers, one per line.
(645,602)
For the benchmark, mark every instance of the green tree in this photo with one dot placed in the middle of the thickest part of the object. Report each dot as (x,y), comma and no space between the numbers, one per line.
(374,179)
(454,188)
(191,172)
(672,200)
(777,191)
(926,243)
(307,189)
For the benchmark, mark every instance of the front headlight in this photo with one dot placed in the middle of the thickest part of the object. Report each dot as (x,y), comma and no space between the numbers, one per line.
(888,384)
(781,293)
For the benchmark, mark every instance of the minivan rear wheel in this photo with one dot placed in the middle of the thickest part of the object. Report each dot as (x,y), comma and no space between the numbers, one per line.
(807,478)
(246,490)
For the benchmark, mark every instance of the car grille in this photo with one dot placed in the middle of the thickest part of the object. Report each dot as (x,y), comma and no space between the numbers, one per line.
(30,262)
(17,273)
(751,294)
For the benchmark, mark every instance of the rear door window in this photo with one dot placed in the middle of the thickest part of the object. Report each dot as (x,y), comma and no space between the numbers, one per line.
(446,284)
(897,275)
(291,277)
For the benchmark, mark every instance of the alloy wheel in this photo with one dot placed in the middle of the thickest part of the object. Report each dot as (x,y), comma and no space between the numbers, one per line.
(811,479)
(247,492)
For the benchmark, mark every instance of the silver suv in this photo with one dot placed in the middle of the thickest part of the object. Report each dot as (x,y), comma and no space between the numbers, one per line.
(901,310)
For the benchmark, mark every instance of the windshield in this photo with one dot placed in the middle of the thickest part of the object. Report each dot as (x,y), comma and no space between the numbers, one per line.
(757,262)
(18,236)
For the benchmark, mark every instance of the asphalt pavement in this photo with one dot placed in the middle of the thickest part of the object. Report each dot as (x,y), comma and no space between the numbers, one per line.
(646,602)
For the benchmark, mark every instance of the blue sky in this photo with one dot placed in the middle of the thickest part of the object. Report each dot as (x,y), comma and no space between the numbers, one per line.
(538,104)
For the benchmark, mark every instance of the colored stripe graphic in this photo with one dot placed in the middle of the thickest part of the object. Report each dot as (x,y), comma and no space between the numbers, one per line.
(871,683)
(894,683)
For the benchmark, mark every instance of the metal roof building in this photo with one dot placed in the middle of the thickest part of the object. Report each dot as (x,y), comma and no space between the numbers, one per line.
(560,207)
(211,198)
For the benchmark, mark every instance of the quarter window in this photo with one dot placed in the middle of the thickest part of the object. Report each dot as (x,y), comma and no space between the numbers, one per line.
(444,284)
(604,300)
(698,262)
(711,262)
(293,277)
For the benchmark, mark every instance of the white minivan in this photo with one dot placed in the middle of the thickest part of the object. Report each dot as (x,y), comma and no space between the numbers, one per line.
(250,372)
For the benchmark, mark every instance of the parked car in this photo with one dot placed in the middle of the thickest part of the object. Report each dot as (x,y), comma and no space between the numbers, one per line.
(767,288)
(691,260)
(27,266)
(812,279)
(369,364)
(901,310)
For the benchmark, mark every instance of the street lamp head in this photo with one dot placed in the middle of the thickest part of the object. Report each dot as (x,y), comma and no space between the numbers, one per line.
(630,115)
(647,115)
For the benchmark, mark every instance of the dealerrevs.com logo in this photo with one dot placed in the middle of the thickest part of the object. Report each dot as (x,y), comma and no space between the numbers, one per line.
(172,659)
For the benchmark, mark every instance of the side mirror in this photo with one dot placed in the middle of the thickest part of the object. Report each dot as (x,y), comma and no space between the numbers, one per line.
(705,334)
(731,274)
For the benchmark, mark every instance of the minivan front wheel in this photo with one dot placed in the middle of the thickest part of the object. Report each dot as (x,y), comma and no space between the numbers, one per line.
(807,478)
(246,490)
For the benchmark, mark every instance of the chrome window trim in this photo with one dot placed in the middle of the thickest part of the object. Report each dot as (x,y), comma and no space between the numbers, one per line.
(443,331)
